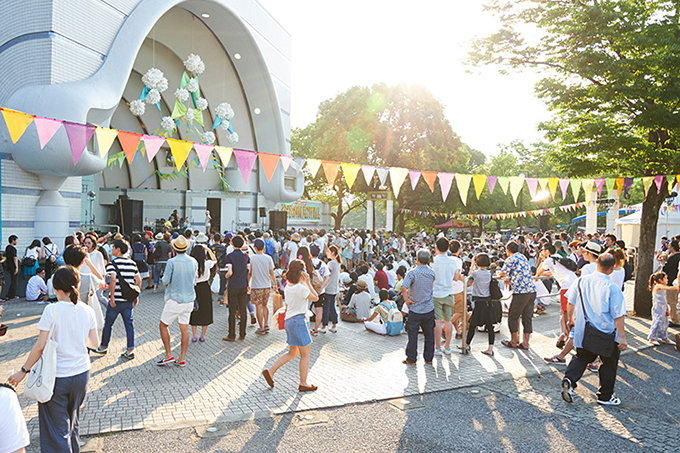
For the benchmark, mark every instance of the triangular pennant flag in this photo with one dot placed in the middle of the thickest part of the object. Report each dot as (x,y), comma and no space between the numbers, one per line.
(152,143)
(587,187)
(619,185)
(78,137)
(414,176)
(658,180)
(245,161)
(564,185)
(429,177)
(543,183)
(129,141)
(350,171)
(16,122)
(463,184)
(179,110)
(397,177)
(479,181)
(331,171)
(203,150)
(105,138)
(609,183)
(269,162)
(575,185)
(492,182)
(503,182)
(313,165)
(552,186)
(285,162)
(532,183)
(671,182)
(445,180)
(46,129)
(382,174)
(516,184)
(179,150)
(198,116)
(225,154)
(599,184)
(185,80)
(647,183)
(368,171)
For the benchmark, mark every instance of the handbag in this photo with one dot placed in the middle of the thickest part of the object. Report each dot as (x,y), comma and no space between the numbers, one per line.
(594,340)
(277,301)
(28,262)
(93,301)
(40,381)
(128,291)
(495,292)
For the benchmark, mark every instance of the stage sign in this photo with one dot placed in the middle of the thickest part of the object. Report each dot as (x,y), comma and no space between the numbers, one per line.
(302,210)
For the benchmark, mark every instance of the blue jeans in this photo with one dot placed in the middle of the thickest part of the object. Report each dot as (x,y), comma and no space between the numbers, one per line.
(125,310)
(414,322)
(158,271)
(59,417)
(329,310)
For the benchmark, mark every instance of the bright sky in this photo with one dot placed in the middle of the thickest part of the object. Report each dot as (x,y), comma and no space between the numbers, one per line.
(337,45)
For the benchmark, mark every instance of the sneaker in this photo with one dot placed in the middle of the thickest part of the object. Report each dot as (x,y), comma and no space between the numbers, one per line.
(555,359)
(333,329)
(613,401)
(100,351)
(322,330)
(446,351)
(314,332)
(182,363)
(567,390)
(128,355)
(167,361)
(594,366)
(438,352)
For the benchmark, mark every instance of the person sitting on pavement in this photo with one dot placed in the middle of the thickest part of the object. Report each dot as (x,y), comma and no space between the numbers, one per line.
(360,303)
(36,289)
(382,312)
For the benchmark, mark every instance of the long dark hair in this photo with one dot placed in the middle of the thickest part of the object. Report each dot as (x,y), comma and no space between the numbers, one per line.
(198,253)
(306,257)
(333,248)
(294,271)
(35,243)
(67,279)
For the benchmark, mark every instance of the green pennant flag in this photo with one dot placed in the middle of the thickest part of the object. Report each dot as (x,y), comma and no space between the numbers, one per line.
(610,183)
(647,182)
(198,117)
(671,182)
(179,110)
(185,80)
(575,185)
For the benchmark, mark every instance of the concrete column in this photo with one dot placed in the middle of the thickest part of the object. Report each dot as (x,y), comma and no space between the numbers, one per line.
(51,211)
(613,213)
(389,222)
(369,215)
(591,213)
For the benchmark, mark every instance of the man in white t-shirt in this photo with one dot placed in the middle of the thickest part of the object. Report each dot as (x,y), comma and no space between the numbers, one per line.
(445,271)
(551,267)
(591,252)
(36,289)
(358,242)
(370,248)
(458,286)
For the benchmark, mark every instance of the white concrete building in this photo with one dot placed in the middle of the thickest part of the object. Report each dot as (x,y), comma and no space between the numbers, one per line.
(82,61)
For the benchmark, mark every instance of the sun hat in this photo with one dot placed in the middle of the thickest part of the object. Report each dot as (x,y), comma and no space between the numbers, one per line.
(593,247)
(201,238)
(180,244)
(159,236)
(295,237)
(362,284)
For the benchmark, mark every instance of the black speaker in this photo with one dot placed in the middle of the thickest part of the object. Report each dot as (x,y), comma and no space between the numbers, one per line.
(263,212)
(278,220)
(129,215)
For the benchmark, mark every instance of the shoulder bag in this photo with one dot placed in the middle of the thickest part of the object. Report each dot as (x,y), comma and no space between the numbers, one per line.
(129,292)
(594,340)
(495,292)
(40,381)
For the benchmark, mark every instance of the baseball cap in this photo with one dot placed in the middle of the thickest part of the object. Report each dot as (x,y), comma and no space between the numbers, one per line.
(314,250)
(258,243)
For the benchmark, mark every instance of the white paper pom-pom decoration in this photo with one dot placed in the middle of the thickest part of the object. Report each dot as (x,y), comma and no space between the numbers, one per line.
(182,94)
(225,126)
(189,115)
(153,97)
(232,138)
(192,86)
(194,64)
(224,111)
(167,123)
(155,79)
(208,138)
(137,107)
(201,104)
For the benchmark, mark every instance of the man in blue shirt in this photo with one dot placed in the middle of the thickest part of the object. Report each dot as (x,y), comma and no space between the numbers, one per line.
(605,309)
(237,264)
(417,292)
(517,268)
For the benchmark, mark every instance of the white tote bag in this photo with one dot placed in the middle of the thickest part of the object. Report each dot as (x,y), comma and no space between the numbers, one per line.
(93,301)
(40,381)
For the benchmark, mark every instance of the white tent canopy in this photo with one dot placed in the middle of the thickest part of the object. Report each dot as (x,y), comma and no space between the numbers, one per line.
(628,227)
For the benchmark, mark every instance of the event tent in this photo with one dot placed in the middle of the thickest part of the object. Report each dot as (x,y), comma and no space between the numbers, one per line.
(628,227)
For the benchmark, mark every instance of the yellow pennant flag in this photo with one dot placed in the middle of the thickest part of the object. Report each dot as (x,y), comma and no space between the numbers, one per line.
(552,185)
(350,171)
(588,187)
(225,154)
(16,122)
(105,138)
(463,183)
(397,176)
(516,184)
(313,165)
(647,182)
(479,181)
(179,150)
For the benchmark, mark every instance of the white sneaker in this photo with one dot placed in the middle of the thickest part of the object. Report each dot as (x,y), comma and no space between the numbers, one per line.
(568,391)
(322,330)
(333,329)
(438,352)
(447,351)
(613,401)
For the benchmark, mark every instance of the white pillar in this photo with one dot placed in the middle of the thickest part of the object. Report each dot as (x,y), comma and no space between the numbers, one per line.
(613,214)
(591,213)
(369,215)
(52,211)
(389,221)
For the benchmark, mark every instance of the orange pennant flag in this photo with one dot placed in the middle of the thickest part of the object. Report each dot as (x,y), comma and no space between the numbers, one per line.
(619,185)
(430,177)
(179,150)
(16,122)
(331,170)
(129,141)
(269,162)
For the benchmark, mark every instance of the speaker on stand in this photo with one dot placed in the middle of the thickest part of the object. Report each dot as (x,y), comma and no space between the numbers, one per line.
(129,215)
(278,220)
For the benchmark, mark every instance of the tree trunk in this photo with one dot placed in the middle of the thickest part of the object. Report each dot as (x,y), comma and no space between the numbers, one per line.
(645,261)
(481,226)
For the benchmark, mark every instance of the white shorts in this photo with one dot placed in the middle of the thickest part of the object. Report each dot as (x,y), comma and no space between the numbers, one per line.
(174,310)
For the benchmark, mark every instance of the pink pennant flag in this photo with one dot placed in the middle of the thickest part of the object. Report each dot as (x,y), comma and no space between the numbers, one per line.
(245,161)
(564,185)
(532,183)
(414,175)
(491,180)
(445,180)
(79,136)
(658,180)
(152,143)
(599,184)
(46,127)
(203,152)
(285,162)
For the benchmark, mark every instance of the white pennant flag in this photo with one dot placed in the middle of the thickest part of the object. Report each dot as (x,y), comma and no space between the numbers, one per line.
(368,171)
(382,175)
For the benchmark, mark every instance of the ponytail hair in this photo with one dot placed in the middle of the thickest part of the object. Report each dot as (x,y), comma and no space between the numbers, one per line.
(334,248)
(67,279)
(655,278)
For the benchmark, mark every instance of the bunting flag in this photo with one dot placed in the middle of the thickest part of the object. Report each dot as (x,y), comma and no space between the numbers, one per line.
(627,184)
(445,180)
(671,182)
(532,184)
(492,183)
(46,128)
(599,184)
(152,143)
(225,154)
(516,183)
(203,151)
(463,184)
(564,185)
(414,176)
(658,180)
(368,171)
(504,183)
(129,141)
(313,165)
(285,162)
(79,136)
(543,183)
(397,177)
(647,183)
(610,182)
(179,110)
(429,177)
(588,187)
(552,186)
(350,171)
(17,122)
(268,162)
(245,161)
(331,171)
(619,185)
(479,181)
(575,185)
(382,174)
(179,150)
(105,138)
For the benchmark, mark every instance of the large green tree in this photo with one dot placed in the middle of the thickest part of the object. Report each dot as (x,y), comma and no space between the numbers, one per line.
(612,82)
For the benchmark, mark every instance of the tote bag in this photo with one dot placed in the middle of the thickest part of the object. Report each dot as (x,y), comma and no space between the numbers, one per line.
(93,301)
(40,381)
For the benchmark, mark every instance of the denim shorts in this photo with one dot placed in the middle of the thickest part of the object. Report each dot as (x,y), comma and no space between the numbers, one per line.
(297,331)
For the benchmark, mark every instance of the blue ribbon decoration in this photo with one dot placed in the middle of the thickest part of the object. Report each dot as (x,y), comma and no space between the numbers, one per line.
(145,93)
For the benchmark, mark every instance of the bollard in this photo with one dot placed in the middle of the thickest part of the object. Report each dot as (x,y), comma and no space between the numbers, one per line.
(463,329)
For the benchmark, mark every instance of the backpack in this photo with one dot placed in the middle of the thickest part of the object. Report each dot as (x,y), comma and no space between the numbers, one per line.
(495,292)
(316,281)
(395,320)
(138,252)
(220,251)
(269,247)
(567,263)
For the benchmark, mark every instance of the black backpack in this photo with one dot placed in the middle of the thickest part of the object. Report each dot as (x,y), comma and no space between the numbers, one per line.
(495,292)
(567,263)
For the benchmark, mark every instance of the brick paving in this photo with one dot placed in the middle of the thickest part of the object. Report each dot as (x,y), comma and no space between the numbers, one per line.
(222,381)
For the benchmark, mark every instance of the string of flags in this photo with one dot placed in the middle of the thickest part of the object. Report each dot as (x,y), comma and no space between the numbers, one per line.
(135,144)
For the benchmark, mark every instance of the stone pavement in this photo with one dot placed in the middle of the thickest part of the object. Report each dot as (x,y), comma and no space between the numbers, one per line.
(222,381)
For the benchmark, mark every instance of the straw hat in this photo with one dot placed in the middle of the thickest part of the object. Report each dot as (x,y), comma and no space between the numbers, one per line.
(295,237)
(159,236)
(201,238)
(593,247)
(361,284)
(180,244)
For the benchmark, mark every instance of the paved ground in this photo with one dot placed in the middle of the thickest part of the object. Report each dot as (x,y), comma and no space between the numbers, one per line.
(222,381)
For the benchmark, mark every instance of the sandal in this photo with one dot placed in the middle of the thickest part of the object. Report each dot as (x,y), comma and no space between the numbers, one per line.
(268,377)
(307,388)
(508,344)
(489,353)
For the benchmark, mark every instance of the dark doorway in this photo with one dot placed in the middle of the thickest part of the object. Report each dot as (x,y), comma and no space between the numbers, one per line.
(215,208)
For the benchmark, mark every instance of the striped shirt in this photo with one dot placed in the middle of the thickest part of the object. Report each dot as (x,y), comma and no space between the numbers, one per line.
(128,270)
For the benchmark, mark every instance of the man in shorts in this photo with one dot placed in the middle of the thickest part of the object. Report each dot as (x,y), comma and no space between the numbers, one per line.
(179,278)
(458,287)
(445,271)
(262,280)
